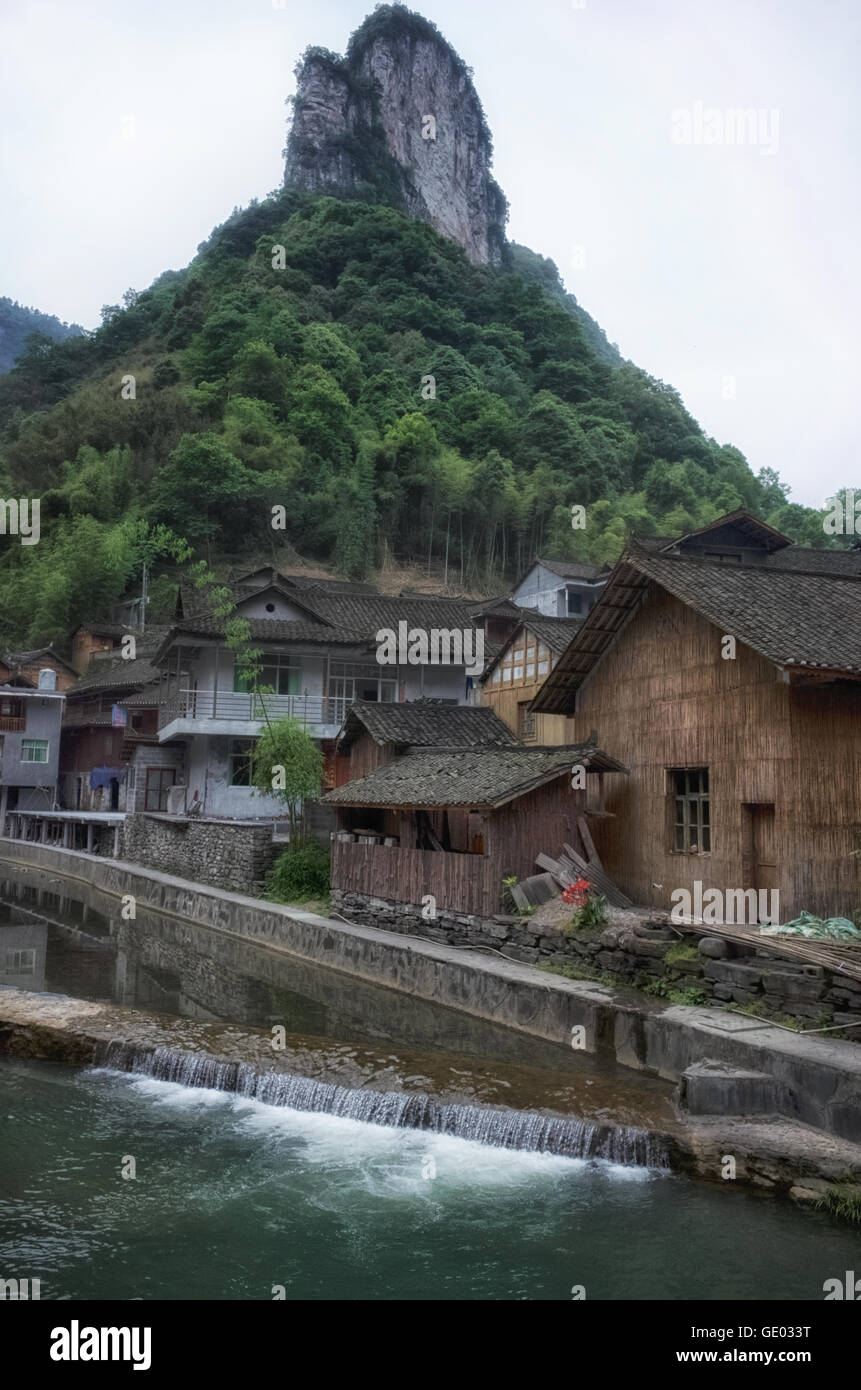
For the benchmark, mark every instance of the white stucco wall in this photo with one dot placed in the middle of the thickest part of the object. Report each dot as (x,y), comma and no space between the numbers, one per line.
(208,767)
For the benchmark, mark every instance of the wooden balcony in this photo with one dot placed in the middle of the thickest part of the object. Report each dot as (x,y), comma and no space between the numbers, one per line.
(11,724)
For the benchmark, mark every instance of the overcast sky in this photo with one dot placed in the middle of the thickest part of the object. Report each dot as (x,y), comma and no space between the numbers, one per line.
(728,270)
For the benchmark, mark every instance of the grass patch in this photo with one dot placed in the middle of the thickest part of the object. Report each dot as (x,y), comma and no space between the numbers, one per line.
(679,951)
(844,1203)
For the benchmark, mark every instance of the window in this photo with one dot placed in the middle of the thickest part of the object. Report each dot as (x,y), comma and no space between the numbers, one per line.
(34,750)
(518,673)
(575,604)
(278,673)
(348,682)
(11,713)
(241,750)
(542,668)
(525,720)
(691,814)
(21,962)
(506,673)
(497,676)
(530,671)
(158,781)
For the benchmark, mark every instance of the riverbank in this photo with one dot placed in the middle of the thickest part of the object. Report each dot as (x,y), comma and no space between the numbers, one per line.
(798,1095)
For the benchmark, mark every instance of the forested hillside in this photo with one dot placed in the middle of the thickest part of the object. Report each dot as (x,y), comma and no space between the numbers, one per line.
(302,377)
(17,323)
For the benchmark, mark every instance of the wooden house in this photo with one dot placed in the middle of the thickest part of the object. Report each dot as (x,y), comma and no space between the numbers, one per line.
(515,675)
(724,668)
(25,668)
(455,822)
(373,734)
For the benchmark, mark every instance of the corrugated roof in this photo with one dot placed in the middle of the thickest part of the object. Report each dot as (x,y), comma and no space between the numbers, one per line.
(425,722)
(467,776)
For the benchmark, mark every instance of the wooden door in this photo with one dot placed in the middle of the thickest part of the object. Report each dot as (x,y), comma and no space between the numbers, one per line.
(764,864)
(761,870)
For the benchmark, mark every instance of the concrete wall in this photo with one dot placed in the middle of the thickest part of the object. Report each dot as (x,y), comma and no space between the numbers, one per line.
(548,593)
(208,774)
(43,715)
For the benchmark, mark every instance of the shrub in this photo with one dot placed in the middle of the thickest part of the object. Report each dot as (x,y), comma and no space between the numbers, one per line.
(300,873)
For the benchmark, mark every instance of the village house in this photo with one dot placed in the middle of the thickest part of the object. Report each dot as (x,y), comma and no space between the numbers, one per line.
(514,676)
(373,734)
(560,588)
(25,668)
(95,638)
(319,647)
(724,668)
(30,722)
(111,759)
(450,824)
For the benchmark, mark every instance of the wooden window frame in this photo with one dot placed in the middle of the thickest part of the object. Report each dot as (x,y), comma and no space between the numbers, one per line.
(689,810)
(157,774)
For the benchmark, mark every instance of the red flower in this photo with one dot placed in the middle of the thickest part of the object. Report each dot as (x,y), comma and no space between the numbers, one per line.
(576,893)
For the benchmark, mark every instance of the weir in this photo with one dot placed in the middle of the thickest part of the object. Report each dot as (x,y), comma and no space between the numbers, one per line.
(566,1136)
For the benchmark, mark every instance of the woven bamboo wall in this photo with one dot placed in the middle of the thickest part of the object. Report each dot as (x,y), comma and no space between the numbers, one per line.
(663,697)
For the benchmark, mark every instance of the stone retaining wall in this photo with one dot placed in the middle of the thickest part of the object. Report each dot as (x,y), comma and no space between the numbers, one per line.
(635,952)
(234,856)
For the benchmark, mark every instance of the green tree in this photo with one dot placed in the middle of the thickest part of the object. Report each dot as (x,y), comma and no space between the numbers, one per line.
(287,764)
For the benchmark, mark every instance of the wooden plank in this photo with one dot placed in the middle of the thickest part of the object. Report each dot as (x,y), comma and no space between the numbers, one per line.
(520,899)
(599,880)
(585,835)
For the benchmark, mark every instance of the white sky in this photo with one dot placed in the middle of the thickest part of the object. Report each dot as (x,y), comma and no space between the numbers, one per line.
(130,130)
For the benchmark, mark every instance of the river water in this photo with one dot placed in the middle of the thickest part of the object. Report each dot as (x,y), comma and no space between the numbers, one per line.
(118,1183)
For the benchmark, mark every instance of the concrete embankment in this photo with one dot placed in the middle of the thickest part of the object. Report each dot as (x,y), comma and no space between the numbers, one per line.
(723,1064)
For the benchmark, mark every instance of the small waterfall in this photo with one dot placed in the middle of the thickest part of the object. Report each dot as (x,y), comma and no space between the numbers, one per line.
(501,1129)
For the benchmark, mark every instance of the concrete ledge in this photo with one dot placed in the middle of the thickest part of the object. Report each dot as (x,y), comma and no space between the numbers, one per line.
(818,1082)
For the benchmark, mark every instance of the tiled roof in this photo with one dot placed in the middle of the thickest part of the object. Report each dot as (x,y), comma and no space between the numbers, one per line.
(107,629)
(13,659)
(425,722)
(268,630)
(793,617)
(368,613)
(117,675)
(467,776)
(573,569)
(556,633)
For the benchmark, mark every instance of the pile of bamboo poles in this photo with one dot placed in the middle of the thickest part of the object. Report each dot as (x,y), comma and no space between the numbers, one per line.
(840,957)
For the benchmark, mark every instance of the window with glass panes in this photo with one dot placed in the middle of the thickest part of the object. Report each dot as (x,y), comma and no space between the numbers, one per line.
(240,761)
(281,674)
(525,662)
(691,811)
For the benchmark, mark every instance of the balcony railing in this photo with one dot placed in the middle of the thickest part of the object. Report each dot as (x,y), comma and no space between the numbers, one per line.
(238,705)
(9,724)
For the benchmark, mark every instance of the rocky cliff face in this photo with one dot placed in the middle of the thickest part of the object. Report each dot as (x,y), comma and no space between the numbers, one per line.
(399,117)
